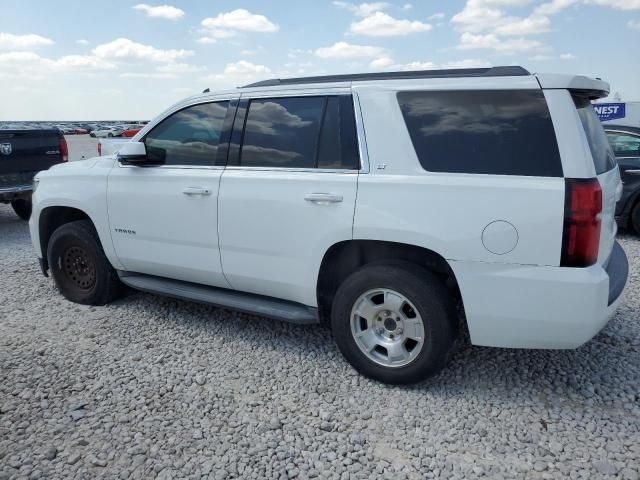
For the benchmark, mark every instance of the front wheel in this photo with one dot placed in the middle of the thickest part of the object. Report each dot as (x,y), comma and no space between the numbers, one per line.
(394,322)
(79,266)
(22,207)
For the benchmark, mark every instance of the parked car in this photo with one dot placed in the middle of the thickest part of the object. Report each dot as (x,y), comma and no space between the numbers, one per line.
(23,153)
(380,204)
(106,132)
(625,142)
(132,130)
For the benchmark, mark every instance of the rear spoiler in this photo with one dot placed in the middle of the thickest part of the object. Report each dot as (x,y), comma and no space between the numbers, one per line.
(591,88)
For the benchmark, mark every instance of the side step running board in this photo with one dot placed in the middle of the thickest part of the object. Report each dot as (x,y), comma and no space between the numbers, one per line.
(220,297)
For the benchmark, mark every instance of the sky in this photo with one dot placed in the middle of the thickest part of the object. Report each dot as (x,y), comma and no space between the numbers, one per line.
(121,59)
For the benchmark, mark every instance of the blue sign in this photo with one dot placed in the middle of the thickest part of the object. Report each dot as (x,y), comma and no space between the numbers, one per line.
(609,111)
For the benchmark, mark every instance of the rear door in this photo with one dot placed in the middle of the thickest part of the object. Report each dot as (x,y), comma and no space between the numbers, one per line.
(288,192)
(607,172)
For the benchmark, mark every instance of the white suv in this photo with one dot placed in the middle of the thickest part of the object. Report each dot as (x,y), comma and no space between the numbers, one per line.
(399,208)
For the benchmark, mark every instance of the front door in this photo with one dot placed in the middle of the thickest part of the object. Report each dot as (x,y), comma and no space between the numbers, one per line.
(164,218)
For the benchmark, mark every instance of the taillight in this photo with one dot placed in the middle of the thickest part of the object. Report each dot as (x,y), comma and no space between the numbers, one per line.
(64,150)
(581,235)
(99,148)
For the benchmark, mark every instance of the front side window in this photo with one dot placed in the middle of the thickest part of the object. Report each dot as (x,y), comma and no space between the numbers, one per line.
(502,132)
(189,136)
(624,144)
(300,132)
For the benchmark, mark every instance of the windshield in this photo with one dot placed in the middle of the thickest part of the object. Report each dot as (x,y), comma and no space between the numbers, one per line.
(603,157)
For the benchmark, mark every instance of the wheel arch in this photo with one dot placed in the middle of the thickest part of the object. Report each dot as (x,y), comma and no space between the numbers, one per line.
(52,218)
(343,258)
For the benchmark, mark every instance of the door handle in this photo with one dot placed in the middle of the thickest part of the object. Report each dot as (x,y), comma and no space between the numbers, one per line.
(323,198)
(196,191)
(632,172)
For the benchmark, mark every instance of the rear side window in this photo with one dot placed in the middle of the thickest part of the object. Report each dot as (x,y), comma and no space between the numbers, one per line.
(603,158)
(300,132)
(484,132)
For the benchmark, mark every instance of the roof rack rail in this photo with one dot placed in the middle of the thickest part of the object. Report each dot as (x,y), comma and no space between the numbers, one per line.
(508,71)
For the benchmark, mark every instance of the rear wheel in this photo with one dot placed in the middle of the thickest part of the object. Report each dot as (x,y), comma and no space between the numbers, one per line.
(79,266)
(22,207)
(635,218)
(394,322)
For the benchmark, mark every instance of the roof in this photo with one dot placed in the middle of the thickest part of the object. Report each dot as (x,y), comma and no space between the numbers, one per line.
(509,71)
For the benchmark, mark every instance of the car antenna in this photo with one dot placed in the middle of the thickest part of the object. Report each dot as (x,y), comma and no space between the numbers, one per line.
(206,90)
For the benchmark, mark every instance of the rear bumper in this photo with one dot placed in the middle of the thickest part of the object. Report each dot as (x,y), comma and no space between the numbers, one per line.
(15,191)
(521,306)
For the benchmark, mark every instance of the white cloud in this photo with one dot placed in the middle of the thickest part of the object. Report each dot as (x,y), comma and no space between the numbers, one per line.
(245,68)
(179,68)
(387,63)
(32,66)
(241,20)
(127,50)
(363,9)
(382,62)
(554,6)
(160,11)
(436,16)
(238,73)
(635,24)
(567,56)
(347,50)
(407,6)
(619,4)
(148,75)
(525,26)
(380,24)
(82,41)
(9,41)
(467,63)
(469,41)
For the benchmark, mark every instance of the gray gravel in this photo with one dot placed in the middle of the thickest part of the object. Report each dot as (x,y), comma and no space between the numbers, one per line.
(150,387)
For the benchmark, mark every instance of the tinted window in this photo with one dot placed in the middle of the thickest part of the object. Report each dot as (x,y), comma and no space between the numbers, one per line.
(624,144)
(188,137)
(492,132)
(603,158)
(300,132)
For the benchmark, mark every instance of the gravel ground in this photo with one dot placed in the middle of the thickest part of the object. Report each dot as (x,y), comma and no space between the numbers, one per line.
(150,387)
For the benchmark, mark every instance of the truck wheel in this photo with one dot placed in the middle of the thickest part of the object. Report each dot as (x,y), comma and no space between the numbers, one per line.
(635,218)
(394,322)
(79,266)
(22,207)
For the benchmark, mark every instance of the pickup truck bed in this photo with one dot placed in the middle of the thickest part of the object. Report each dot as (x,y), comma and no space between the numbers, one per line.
(23,153)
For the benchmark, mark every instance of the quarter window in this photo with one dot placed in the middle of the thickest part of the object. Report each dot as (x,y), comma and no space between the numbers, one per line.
(188,137)
(483,132)
(300,132)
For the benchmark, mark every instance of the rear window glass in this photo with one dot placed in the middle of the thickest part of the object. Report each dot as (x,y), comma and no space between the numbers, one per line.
(603,157)
(487,132)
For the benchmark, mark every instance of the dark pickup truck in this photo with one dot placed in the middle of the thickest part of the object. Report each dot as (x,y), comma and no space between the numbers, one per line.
(23,153)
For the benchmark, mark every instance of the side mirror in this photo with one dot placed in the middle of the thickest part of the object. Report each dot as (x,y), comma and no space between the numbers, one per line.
(134,153)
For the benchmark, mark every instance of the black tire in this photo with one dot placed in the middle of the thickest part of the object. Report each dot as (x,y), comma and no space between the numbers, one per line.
(431,299)
(635,218)
(79,266)
(22,207)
